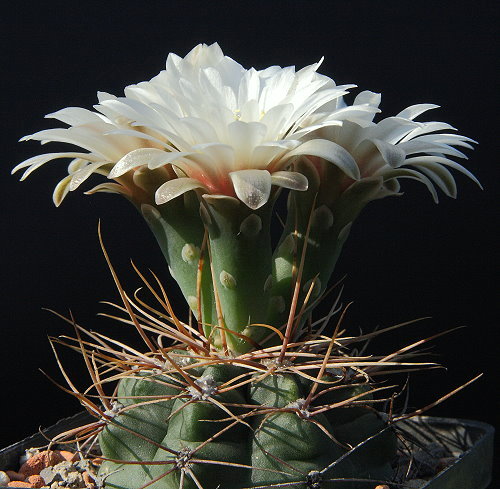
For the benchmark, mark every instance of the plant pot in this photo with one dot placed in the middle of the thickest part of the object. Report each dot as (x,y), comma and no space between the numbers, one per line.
(473,439)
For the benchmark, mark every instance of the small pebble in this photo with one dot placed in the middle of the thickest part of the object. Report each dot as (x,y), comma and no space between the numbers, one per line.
(15,476)
(69,456)
(4,478)
(52,469)
(40,461)
(35,481)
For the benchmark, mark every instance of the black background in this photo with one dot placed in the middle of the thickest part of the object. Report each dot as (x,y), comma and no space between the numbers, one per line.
(406,258)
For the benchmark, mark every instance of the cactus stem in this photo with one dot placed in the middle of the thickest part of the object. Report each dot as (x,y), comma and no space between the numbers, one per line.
(267,326)
(218,308)
(199,277)
(244,337)
(327,433)
(291,316)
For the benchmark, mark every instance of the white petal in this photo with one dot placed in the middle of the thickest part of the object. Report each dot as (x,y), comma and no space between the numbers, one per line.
(277,121)
(77,164)
(138,157)
(109,188)
(391,129)
(74,116)
(253,187)
(250,111)
(415,110)
(244,137)
(417,146)
(249,87)
(348,133)
(263,155)
(86,137)
(201,131)
(412,175)
(103,96)
(151,157)
(276,88)
(61,190)
(37,161)
(173,188)
(454,139)
(367,97)
(81,175)
(221,154)
(392,154)
(168,158)
(329,151)
(361,114)
(440,176)
(426,128)
(445,162)
(290,179)
(133,110)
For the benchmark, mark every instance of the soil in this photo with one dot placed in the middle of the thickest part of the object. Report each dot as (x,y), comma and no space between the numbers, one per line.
(53,469)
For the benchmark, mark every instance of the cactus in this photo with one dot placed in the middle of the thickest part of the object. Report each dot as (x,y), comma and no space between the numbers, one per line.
(187,417)
(263,431)
(252,393)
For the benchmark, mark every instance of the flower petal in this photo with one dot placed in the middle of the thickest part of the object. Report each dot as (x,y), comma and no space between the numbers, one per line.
(290,179)
(61,190)
(37,161)
(173,188)
(74,116)
(440,176)
(415,110)
(82,174)
(109,188)
(446,162)
(392,154)
(329,151)
(412,175)
(150,157)
(253,187)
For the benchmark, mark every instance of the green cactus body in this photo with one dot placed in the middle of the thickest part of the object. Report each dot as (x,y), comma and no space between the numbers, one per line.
(254,435)
(179,232)
(325,216)
(240,254)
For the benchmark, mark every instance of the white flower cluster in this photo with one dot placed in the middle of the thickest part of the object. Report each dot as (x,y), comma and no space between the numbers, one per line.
(236,132)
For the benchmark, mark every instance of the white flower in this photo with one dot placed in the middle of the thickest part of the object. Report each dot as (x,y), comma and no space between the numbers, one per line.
(224,129)
(397,147)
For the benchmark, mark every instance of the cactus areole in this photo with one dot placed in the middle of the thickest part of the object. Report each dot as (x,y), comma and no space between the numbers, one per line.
(254,395)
